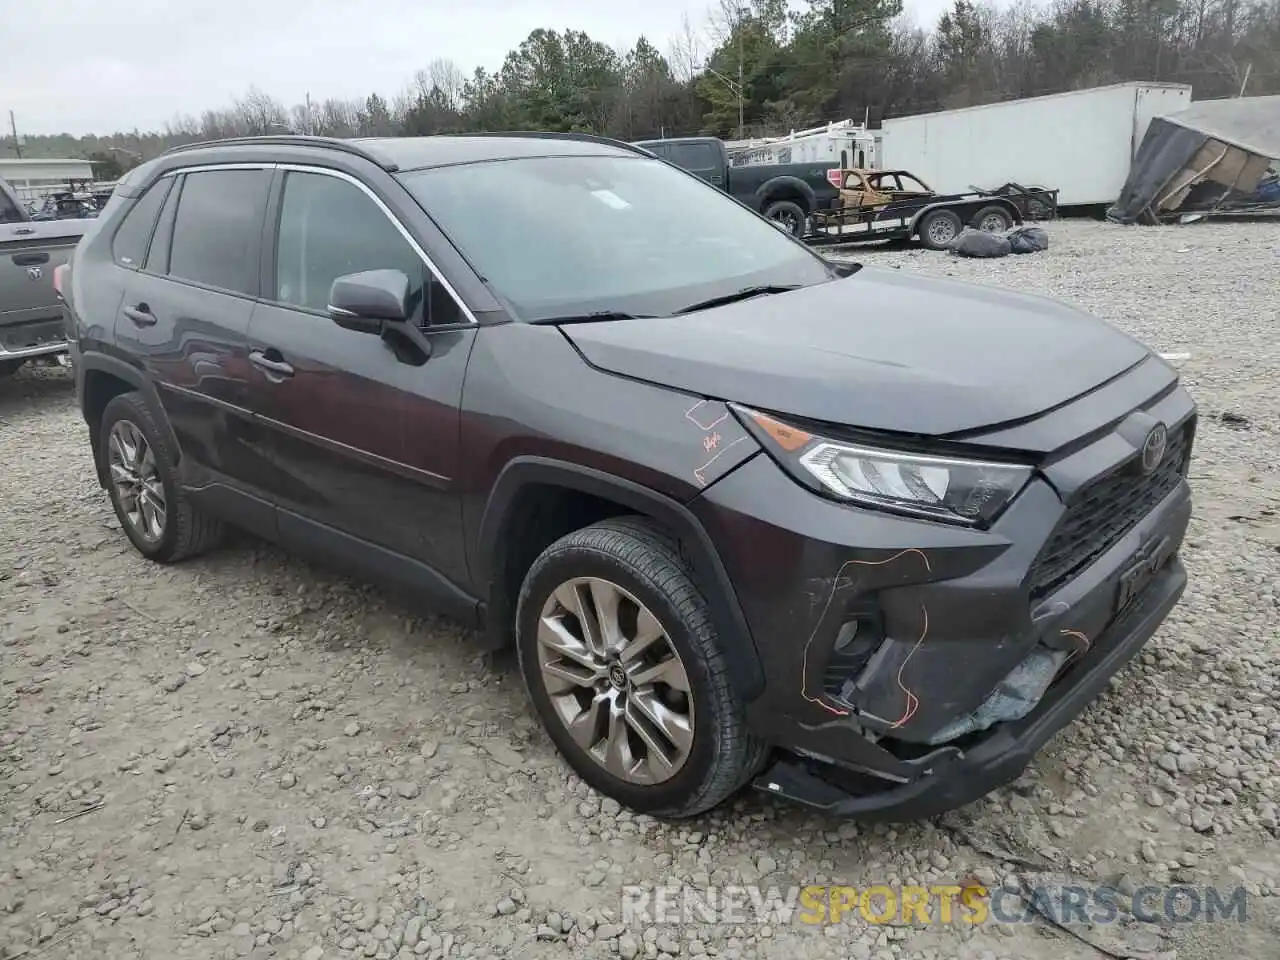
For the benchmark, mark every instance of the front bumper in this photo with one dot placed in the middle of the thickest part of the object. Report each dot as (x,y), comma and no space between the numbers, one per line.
(999,758)
(897,722)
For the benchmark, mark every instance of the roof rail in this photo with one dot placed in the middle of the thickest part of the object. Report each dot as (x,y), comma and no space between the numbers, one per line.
(557,135)
(290,140)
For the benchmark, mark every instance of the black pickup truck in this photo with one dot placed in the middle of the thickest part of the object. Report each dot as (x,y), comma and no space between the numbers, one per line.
(784,192)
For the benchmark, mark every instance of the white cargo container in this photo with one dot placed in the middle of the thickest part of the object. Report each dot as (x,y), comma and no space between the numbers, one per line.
(1080,143)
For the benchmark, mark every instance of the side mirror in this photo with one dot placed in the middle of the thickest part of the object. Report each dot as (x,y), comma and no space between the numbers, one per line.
(366,302)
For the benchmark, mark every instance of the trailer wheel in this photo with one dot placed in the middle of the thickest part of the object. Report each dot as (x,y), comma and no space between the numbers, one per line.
(939,228)
(787,214)
(993,219)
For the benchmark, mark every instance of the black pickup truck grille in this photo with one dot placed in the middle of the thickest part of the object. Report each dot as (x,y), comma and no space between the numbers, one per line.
(1105,510)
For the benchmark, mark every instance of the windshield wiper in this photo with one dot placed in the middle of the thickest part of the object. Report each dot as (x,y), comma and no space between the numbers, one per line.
(598,316)
(745,293)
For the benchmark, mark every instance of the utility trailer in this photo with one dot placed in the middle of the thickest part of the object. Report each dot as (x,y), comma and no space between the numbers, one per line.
(1080,143)
(897,205)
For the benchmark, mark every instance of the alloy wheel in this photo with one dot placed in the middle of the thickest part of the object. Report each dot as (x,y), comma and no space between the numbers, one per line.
(787,221)
(136,480)
(615,680)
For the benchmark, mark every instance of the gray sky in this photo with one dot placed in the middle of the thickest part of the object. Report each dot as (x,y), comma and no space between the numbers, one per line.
(85,66)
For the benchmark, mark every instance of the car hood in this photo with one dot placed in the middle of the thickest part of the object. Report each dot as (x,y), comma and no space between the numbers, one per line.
(882,350)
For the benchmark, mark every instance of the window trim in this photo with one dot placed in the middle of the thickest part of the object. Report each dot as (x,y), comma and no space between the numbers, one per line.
(164,221)
(395,222)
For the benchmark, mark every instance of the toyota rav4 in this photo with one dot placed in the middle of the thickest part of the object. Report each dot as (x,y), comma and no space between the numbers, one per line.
(858,537)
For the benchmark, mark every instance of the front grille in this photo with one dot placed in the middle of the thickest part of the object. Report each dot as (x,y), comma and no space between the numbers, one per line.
(1107,509)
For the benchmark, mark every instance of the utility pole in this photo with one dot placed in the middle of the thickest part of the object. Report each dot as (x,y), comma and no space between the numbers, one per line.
(740,125)
(308,113)
(738,30)
(17,145)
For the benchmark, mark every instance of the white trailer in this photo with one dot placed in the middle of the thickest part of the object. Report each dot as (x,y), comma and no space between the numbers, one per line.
(1080,143)
(842,144)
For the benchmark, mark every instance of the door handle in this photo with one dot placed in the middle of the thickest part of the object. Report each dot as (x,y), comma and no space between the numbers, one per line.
(273,368)
(30,259)
(141,315)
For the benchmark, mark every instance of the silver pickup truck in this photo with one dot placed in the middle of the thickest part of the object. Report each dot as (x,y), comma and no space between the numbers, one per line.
(30,313)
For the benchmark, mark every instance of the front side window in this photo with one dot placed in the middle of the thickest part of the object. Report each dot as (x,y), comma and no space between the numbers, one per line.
(216,230)
(606,233)
(329,228)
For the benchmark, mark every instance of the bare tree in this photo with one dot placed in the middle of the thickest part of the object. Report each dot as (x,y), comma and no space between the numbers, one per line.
(261,114)
(685,52)
(447,77)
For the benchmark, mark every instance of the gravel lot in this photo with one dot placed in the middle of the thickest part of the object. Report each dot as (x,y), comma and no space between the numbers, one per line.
(268,760)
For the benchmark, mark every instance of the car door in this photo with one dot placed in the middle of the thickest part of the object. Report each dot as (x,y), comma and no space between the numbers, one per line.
(855,192)
(185,319)
(365,429)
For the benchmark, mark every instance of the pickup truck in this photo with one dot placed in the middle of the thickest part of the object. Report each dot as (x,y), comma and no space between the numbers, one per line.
(786,193)
(31,322)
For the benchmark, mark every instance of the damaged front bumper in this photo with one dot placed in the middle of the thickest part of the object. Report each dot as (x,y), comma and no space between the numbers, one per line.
(913,666)
(958,776)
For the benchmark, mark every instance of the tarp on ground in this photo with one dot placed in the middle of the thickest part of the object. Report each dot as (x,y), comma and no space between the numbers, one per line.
(1226,142)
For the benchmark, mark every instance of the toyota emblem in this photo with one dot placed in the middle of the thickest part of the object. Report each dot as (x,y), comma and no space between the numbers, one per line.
(1153,447)
(35,273)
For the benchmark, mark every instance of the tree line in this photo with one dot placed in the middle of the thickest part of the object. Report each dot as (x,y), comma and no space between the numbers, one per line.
(759,69)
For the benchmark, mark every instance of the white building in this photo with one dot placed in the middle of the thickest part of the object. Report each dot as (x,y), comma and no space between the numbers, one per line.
(32,178)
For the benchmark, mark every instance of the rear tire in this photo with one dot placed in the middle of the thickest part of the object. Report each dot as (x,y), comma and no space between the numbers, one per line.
(939,229)
(142,480)
(789,214)
(654,599)
(992,219)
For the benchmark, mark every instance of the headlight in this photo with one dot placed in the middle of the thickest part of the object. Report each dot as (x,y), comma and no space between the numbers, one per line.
(954,490)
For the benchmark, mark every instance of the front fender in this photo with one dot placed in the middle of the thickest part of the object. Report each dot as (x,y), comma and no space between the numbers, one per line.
(696,545)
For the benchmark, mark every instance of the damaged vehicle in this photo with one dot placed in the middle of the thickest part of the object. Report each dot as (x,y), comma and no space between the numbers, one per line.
(859,538)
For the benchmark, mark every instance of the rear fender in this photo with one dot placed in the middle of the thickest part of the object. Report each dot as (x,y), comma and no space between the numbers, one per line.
(785,188)
(93,365)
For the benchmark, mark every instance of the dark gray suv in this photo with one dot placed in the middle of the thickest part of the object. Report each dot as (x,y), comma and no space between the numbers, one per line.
(861,538)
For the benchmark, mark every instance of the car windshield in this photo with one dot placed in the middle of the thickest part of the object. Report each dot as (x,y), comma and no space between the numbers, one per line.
(606,235)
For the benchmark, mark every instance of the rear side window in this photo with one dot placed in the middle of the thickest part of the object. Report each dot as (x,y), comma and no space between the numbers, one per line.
(694,156)
(217,228)
(129,246)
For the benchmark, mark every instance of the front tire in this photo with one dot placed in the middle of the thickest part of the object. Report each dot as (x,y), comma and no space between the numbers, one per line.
(154,512)
(939,229)
(626,672)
